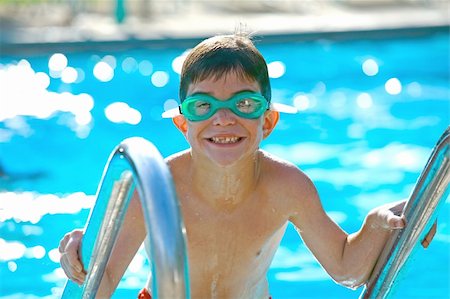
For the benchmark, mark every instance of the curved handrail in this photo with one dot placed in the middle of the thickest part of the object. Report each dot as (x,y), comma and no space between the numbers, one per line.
(421,210)
(136,158)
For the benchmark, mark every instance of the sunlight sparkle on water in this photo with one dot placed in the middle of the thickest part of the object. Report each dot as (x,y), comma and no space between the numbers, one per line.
(69,75)
(37,252)
(276,69)
(364,100)
(338,99)
(160,78)
(393,86)
(170,104)
(57,62)
(103,71)
(56,276)
(12,266)
(397,156)
(120,112)
(54,255)
(387,164)
(177,63)
(285,258)
(301,101)
(129,65)
(42,80)
(11,250)
(137,263)
(39,205)
(24,93)
(370,67)
(414,89)
(145,68)
(319,89)
(110,60)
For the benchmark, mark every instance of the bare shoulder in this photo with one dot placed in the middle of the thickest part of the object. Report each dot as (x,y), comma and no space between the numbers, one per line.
(290,184)
(178,159)
(178,164)
(283,172)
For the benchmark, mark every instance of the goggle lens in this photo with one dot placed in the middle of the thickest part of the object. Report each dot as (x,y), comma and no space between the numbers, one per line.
(244,104)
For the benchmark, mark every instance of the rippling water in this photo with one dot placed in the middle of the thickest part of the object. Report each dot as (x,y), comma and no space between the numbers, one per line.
(370,113)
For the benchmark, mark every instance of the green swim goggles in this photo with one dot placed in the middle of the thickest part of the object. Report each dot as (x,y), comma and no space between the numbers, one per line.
(246,104)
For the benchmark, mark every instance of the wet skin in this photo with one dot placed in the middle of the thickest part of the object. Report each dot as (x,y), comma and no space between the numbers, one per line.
(236,201)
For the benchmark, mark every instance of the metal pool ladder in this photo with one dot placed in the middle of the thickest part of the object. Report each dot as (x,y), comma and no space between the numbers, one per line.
(429,194)
(136,161)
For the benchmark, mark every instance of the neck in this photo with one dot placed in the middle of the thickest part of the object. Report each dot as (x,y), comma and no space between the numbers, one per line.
(225,185)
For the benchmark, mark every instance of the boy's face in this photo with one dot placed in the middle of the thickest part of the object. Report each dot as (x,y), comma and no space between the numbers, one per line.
(225,138)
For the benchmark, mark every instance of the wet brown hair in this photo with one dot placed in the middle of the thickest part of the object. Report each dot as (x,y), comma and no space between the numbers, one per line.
(220,55)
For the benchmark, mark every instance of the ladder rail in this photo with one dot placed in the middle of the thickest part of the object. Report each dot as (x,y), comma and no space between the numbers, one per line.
(429,194)
(136,162)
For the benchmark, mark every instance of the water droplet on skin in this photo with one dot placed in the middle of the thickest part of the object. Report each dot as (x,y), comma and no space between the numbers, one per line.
(214,286)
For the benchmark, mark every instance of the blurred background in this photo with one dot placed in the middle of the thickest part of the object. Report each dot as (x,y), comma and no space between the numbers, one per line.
(369,77)
(43,21)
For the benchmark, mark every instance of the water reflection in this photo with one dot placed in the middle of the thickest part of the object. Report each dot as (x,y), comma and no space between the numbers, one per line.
(364,100)
(370,67)
(160,78)
(103,71)
(120,112)
(25,94)
(145,68)
(177,63)
(393,86)
(276,69)
(57,63)
(355,104)
(129,65)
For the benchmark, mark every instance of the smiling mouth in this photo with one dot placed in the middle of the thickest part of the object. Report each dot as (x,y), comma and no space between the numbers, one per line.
(225,140)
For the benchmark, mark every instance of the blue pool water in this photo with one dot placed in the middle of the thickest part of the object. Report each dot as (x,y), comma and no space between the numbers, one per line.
(371,111)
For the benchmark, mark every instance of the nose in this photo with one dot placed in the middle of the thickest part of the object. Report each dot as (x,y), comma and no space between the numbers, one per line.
(224,117)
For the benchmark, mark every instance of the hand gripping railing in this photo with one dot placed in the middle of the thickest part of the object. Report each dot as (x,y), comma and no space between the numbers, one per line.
(421,210)
(136,158)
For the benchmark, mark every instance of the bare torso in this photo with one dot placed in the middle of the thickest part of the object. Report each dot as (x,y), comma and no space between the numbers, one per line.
(233,233)
(231,241)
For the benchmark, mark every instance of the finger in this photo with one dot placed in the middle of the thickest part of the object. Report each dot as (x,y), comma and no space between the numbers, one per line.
(79,277)
(73,261)
(78,280)
(71,272)
(75,234)
(63,243)
(395,222)
(72,256)
(67,269)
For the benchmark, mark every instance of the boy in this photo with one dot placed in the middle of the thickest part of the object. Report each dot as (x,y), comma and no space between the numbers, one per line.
(236,199)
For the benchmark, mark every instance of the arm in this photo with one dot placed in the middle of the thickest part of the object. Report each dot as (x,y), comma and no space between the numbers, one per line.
(349,259)
(362,249)
(129,239)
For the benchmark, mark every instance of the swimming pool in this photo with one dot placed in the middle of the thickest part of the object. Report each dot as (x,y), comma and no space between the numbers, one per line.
(371,111)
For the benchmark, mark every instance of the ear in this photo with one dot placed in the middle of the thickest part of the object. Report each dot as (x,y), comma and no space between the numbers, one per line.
(270,121)
(181,123)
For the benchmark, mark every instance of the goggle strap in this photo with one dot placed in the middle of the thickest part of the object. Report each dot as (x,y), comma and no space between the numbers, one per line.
(171,113)
(283,108)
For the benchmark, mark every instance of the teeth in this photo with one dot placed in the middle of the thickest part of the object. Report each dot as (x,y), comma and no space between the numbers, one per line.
(225,139)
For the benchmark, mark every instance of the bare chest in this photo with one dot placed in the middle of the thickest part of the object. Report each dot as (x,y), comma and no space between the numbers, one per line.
(231,245)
